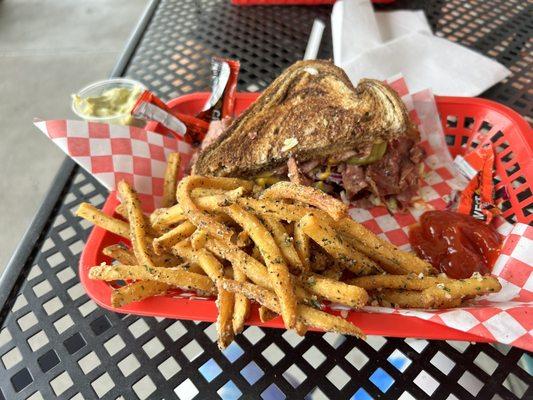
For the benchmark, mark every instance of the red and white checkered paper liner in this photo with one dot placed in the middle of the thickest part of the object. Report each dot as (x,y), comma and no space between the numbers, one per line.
(112,153)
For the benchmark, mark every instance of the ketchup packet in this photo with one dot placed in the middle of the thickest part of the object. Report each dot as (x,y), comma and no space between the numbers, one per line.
(187,127)
(224,74)
(477,199)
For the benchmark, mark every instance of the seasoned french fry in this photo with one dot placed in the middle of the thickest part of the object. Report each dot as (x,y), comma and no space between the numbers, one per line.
(393,260)
(253,269)
(339,292)
(121,210)
(99,218)
(233,309)
(307,315)
(284,242)
(241,309)
(212,267)
(242,304)
(204,227)
(216,201)
(401,298)
(198,239)
(175,235)
(167,217)
(195,214)
(150,230)
(225,303)
(171,180)
(207,262)
(137,291)
(302,245)
(203,192)
(328,322)
(257,255)
(121,228)
(278,209)
(256,293)
(137,224)
(301,327)
(462,288)
(412,299)
(225,300)
(444,302)
(276,267)
(266,314)
(307,194)
(389,256)
(257,272)
(168,260)
(120,253)
(405,282)
(164,217)
(171,276)
(324,235)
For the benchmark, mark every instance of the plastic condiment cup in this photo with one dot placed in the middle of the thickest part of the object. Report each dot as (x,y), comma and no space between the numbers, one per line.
(97,89)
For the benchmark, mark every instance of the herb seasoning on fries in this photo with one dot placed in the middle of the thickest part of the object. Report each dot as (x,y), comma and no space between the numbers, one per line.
(289,248)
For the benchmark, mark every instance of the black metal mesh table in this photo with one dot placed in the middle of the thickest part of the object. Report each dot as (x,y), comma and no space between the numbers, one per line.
(55,341)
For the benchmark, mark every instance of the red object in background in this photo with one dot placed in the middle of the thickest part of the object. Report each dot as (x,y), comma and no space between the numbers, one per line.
(225,104)
(294,2)
(456,244)
(514,130)
(228,99)
(477,199)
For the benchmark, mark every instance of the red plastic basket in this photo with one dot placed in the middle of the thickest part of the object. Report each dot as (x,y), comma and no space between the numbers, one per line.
(513,141)
(294,2)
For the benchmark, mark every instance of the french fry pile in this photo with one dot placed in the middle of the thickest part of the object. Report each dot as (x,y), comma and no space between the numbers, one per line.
(287,248)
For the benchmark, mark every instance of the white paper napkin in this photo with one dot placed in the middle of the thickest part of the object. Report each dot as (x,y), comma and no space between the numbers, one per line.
(393,24)
(361,28)
(379,45)
(429,62)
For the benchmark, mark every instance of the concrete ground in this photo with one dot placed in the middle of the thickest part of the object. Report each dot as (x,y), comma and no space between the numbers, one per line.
(48,50)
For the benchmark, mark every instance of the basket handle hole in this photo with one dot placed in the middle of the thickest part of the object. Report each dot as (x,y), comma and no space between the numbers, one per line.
(518,182)
(515,167)
(506,158)
(524,195)
(450,140)
(506,205)
(497,136)
(501,194)
(451,121)
(485,127)
(469,123)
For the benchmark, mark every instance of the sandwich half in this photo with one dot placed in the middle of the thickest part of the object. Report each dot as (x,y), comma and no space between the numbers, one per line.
(312,126)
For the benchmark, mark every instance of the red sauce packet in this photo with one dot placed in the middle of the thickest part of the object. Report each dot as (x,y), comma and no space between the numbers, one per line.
(221,103)
(150,107)
(477,199)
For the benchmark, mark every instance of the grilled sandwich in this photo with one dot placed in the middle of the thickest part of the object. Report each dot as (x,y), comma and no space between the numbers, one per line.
(313,126)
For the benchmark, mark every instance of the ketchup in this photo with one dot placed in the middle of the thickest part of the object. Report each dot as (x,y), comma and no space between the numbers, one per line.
(456,244)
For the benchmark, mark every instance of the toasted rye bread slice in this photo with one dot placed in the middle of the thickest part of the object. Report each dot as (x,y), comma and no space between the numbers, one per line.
(315,106)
